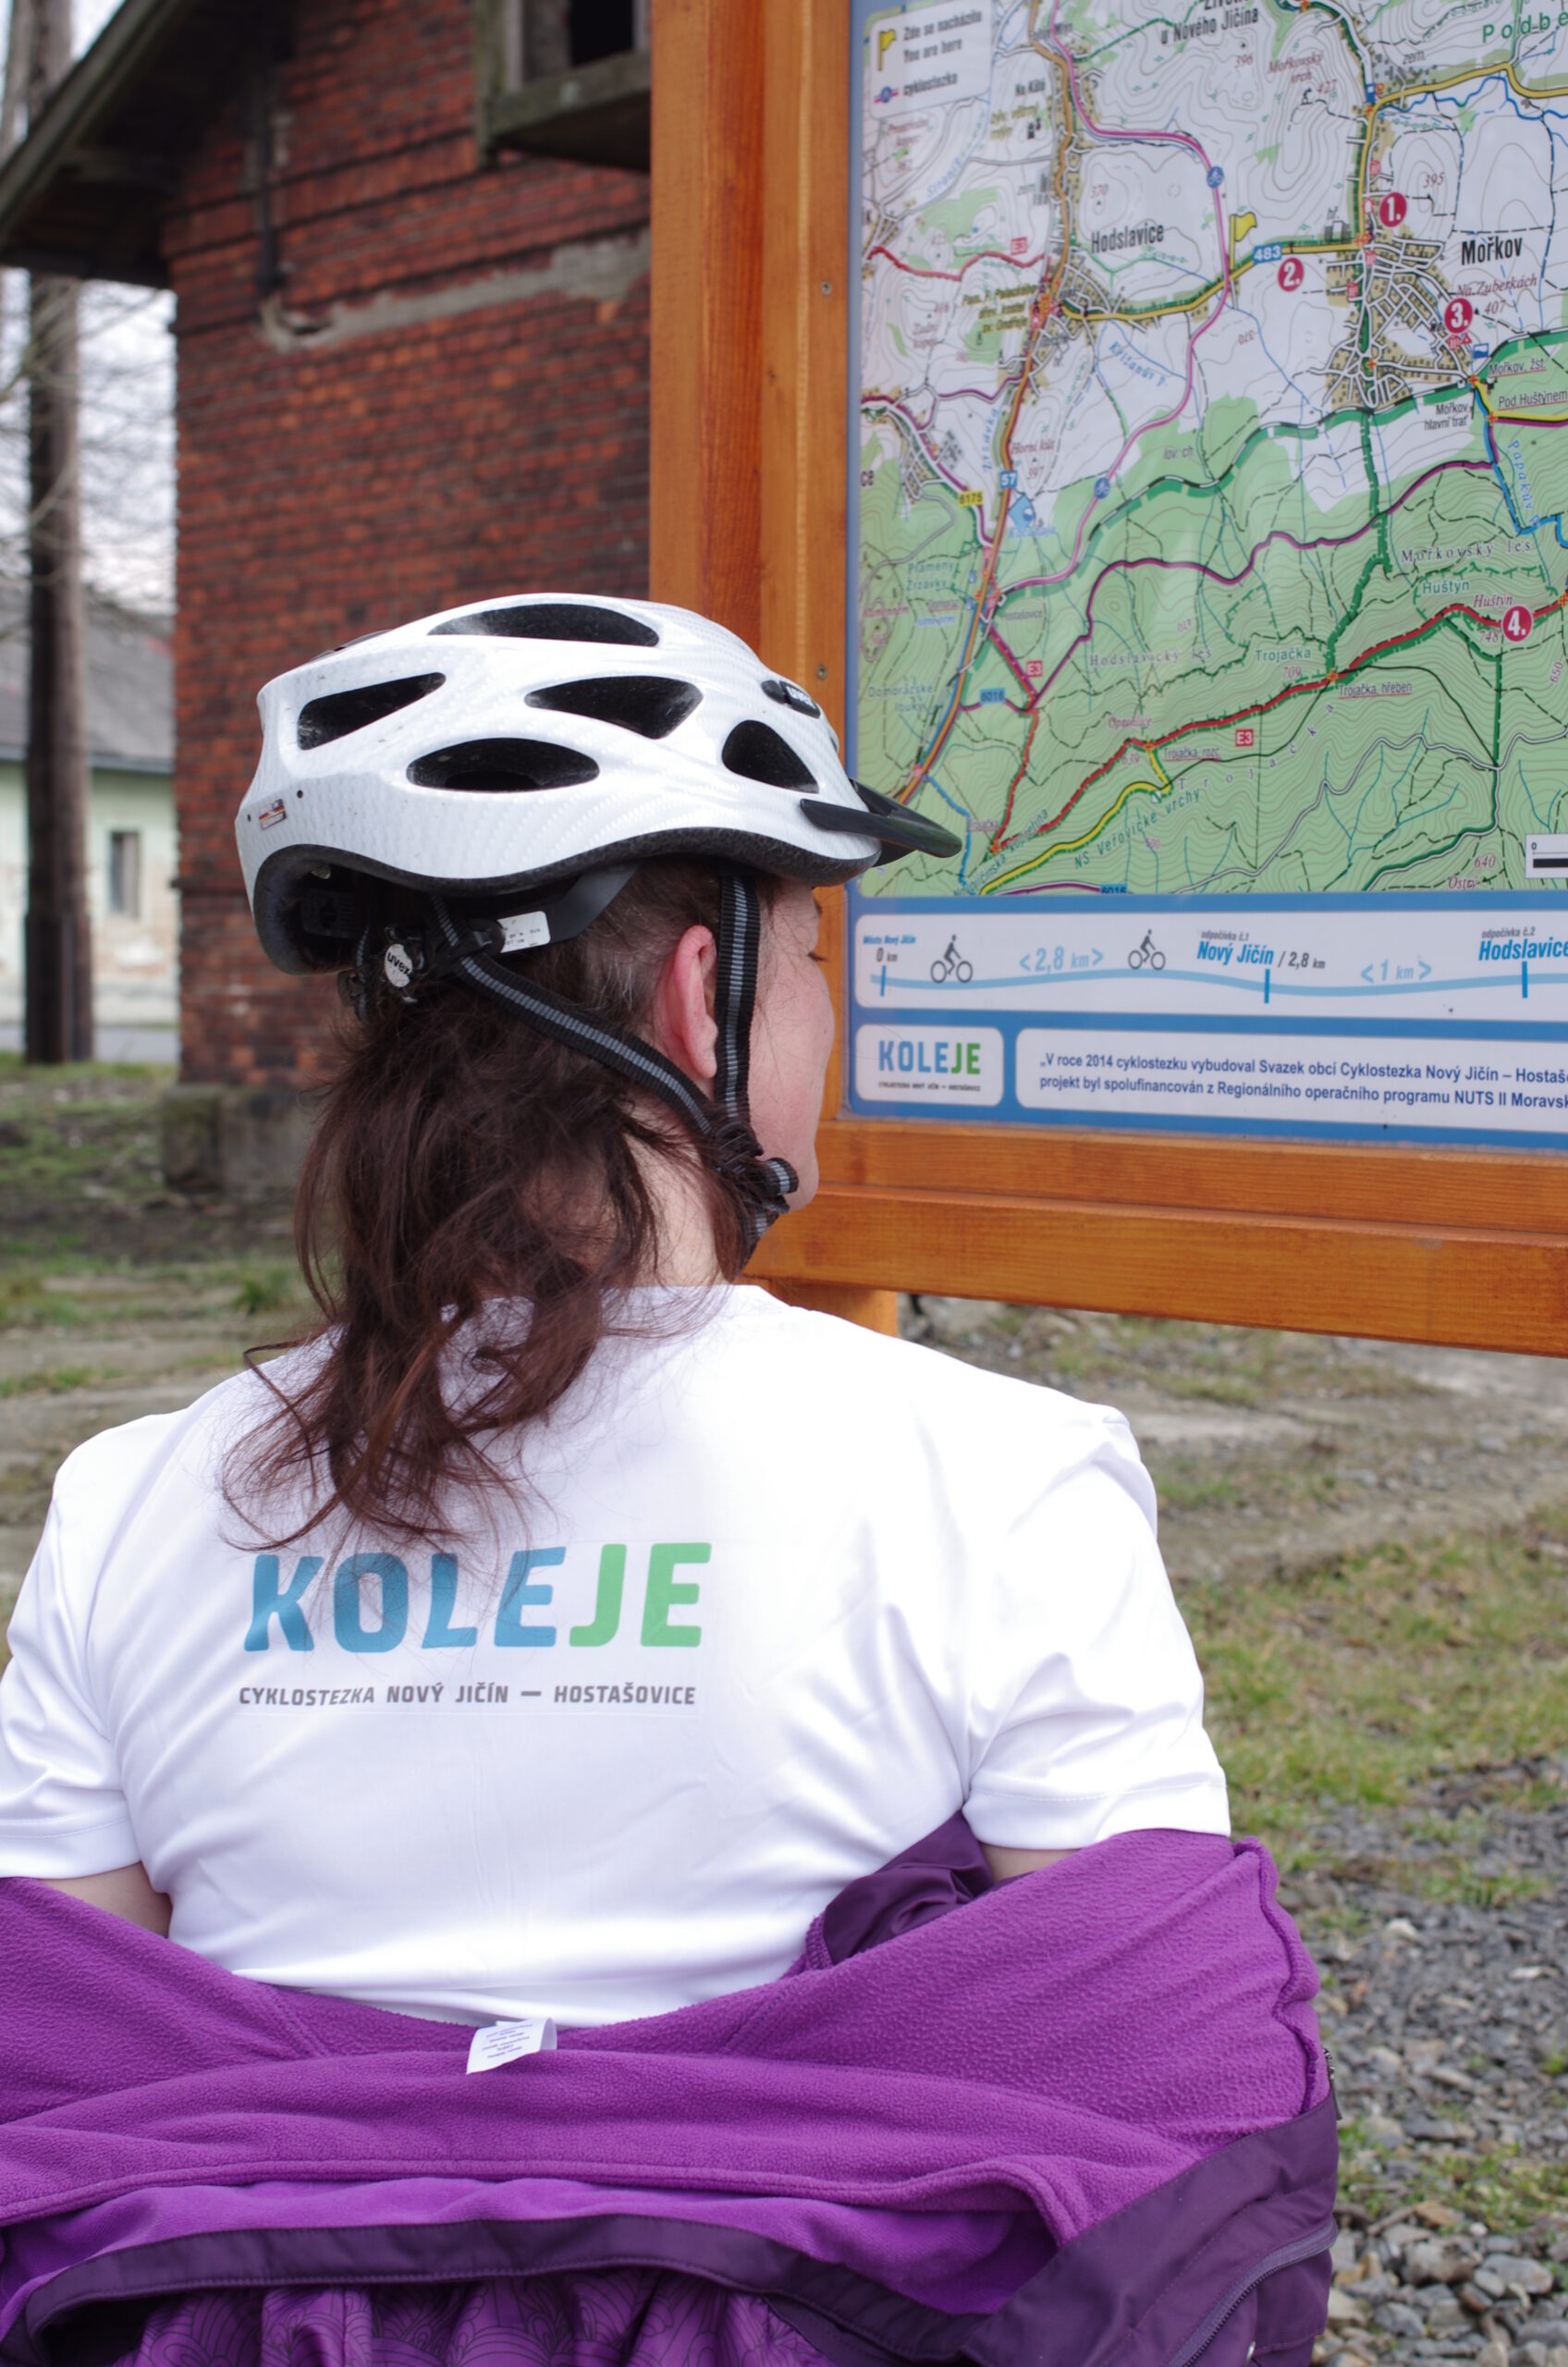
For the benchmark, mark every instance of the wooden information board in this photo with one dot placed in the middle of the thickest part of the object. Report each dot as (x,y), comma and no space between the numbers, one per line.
(753,152)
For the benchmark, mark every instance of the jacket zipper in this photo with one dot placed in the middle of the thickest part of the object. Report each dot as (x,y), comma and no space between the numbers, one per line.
(1304,2248)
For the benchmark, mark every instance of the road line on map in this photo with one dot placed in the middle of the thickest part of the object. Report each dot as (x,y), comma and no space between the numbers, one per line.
(981,255)
(1201,566)
(1260,707)
(999,835)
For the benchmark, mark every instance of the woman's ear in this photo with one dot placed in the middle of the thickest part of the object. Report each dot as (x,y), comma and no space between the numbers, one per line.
(682,1025)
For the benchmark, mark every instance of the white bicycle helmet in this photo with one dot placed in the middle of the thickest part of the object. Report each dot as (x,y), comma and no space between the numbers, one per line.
(512,762)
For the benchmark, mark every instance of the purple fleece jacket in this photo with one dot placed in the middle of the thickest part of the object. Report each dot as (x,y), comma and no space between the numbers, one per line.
(1063,2056)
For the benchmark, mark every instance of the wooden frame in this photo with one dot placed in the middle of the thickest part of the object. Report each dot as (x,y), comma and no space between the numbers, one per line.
(750,374)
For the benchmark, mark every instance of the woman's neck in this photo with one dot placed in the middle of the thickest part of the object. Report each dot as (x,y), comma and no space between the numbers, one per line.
(687,1256)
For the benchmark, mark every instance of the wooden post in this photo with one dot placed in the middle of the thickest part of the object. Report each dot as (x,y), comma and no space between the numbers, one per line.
(58,1016)
(746,494)
(705,367)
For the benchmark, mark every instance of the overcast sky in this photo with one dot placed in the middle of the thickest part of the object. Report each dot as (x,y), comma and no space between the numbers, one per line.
(128,422)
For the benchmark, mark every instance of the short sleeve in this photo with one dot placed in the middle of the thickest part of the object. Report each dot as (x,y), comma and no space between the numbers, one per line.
(1085,1700)
(61,1812)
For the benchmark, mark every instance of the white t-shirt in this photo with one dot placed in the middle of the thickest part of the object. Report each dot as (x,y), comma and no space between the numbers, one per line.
(769,1601)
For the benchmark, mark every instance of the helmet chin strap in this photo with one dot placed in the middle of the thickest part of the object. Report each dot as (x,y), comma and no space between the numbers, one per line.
(720,1122)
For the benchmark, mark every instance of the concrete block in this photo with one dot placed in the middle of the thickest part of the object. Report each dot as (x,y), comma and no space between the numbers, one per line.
(235,1142)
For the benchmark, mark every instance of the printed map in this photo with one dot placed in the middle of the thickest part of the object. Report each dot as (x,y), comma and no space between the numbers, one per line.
(1213,447)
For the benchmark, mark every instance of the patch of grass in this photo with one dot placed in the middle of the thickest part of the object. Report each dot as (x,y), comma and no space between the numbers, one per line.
(92,1123)
(1453,1885)
(1191,1360)
(56,1381)
(21,1300)
(1510,2191)
(1189,1487)
(1365,1680)
(265,1293)
(1106,1356)
(81,1182)
(1440,1873)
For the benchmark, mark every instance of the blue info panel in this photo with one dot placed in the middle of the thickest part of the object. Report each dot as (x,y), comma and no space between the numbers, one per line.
(1208,573)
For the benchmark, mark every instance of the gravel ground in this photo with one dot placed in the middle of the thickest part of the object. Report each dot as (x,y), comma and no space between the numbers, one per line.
(1447,2017)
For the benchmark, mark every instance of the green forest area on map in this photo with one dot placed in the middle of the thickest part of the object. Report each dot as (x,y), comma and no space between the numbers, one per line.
(1213,449)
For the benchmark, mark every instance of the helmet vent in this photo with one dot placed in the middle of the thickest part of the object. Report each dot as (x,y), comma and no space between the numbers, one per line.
(756,751)
(340,712)
(644,703)
(502,766)
(555,620)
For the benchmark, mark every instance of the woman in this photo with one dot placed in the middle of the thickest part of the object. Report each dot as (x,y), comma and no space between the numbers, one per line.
(605,1618)
(565,1633)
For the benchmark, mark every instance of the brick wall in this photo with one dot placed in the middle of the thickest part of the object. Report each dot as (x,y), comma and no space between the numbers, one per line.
(446,399)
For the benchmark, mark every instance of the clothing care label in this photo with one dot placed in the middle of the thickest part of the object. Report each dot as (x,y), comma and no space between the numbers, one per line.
(501,2042)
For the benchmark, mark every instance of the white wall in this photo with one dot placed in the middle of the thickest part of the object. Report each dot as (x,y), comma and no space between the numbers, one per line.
(135,956)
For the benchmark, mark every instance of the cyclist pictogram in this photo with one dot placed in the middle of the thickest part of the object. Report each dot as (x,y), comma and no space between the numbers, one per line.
(952,965)
(1147,955)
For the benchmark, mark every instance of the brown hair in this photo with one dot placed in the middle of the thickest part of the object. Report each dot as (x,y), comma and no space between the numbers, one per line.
(461,1158)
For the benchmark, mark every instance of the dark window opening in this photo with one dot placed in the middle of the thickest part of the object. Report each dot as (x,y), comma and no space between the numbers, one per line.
(601,28)
(543,38)
(565,78)
(124,874)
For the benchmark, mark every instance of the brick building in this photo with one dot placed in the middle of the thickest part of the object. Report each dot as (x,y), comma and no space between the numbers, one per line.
(408,248)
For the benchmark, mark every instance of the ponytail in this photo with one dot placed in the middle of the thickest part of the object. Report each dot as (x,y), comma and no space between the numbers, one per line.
(461,1158)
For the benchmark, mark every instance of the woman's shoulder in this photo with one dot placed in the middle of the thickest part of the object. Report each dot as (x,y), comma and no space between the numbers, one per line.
(866,1385)
(121,1469)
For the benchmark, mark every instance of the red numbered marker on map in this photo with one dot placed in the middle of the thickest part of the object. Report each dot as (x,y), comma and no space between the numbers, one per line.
(1245,736)
(1390,209)
(1516,624)
(1458,313)
(1293,271)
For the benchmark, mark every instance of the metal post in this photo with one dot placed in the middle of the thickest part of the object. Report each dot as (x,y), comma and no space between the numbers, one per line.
(58,1020)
